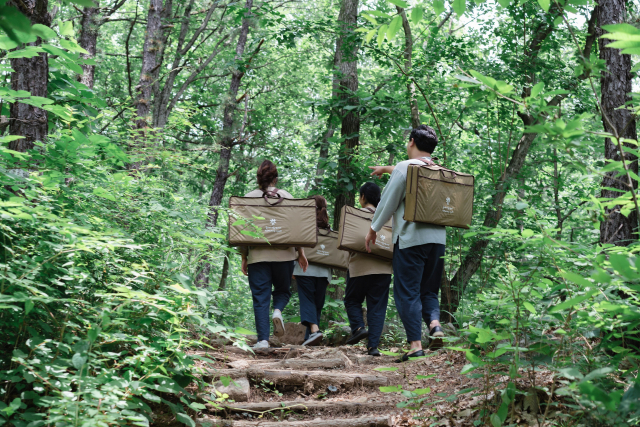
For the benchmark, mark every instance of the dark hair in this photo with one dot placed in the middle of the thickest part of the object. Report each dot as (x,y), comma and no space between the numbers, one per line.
(267,173)
(425,138)
(371,193)
(322,217)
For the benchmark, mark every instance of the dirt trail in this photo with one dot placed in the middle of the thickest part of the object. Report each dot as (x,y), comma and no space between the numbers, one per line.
(329,387)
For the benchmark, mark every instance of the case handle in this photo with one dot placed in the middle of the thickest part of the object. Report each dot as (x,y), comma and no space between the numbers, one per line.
(272,194)
(444,175)
(328,230)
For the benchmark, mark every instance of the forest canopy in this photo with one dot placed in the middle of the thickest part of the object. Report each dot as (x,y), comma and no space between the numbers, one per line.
(125,126)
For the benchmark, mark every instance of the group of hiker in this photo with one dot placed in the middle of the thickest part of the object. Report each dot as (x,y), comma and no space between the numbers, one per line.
(417,263)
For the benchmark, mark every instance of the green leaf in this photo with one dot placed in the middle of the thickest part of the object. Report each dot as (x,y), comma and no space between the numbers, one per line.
(527,233)
(529,307)
(389,353)
(378,14)
(399,3)
(390,388)
(244,331)
(101,192)
(44,32)
(15,25)
(28,306)
(383,369)
(381,33)
(185,419)
(621,264)
(537,89)
(424,377)
(422,391)
(459,6)
(78,361)
(521,205)
(416,15)
(495,420)
(504,3)
(395,25)
(573,301)
(438,7)
(72,46)
(66,28)
(544,4)
(370,35)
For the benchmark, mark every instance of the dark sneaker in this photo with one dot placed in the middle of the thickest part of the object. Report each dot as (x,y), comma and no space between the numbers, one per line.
(357,336)
(373,351)
(314,339)
(435,336)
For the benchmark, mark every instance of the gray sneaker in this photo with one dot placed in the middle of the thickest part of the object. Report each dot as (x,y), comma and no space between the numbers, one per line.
(278,324)
(261,344)
(313,339)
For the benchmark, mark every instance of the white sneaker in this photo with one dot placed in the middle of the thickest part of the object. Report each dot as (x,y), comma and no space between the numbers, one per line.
(261,344)
(278,323)
(313,339)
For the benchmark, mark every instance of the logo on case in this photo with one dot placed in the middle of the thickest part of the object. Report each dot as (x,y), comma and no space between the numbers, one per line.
(273,221)
(322,247)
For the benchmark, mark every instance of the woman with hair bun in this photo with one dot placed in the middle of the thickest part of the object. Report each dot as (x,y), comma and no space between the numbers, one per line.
(312,284)
(368,278)
(269,268)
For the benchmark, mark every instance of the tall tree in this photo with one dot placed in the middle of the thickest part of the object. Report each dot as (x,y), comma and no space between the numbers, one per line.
(346,64)
(227,140)
(151,59)
(88,40)
(615,86)
(31,75)
(92,19)
(471,262)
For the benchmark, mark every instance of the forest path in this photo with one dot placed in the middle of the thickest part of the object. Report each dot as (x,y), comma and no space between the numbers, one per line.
(333,386)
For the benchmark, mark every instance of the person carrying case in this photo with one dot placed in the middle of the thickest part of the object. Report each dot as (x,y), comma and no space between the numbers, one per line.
(326,252)
(284,222)
(437,195)
(355,224)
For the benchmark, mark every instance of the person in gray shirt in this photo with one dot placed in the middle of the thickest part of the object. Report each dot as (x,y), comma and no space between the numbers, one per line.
(418,248)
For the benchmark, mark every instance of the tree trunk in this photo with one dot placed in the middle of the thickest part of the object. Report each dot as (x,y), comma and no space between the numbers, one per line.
(150,64)
(226,142)
(615,85)
(346,61)
(88,40)
(408,55)
(32,75)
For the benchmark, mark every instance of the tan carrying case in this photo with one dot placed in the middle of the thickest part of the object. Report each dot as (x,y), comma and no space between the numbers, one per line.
(439,196)
(285,222)
(326,251)
(354,226)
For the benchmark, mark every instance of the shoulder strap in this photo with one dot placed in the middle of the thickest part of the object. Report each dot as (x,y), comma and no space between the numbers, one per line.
(370,210)
(272,194)
(426,161)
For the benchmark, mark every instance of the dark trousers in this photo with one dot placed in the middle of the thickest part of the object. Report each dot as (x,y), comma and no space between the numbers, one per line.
(417,272)
(375,289)
(312,291)
(262,276)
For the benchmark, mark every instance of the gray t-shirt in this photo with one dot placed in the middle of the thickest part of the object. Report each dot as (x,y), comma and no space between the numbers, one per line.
(314,270)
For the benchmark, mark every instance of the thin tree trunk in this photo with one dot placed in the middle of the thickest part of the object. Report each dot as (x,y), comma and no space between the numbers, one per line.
(408,56)
(32,75)
(88,40)
(324,151)
(226,142)
(615,85)
(347,67)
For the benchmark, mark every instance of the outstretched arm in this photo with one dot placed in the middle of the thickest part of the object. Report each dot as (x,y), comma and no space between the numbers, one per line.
(381,170)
